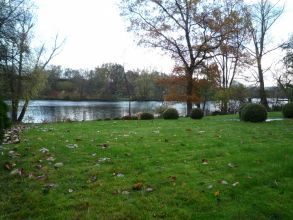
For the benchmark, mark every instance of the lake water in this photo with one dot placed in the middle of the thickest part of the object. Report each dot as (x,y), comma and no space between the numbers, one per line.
(51,111)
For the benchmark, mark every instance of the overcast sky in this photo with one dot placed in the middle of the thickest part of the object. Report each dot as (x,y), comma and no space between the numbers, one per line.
(96,34)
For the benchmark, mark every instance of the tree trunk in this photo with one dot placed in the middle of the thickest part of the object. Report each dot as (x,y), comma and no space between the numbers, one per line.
(189,92)
(262,92)
(225,106)
(23,110)
(14,110)
(129,107)
(128,93)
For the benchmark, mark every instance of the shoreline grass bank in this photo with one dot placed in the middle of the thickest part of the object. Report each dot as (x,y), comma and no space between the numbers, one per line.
(214,168)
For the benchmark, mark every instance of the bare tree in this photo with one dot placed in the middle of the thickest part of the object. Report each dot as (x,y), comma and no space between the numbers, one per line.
(21,66)
(285,80)
(231,57)
(36,79)
(262,15)
(186,30)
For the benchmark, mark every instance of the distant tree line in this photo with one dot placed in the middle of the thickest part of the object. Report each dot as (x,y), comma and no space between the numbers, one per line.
(110,82)
(106,82)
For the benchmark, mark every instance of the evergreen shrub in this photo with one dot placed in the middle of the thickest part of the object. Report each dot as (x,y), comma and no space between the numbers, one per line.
(241,107)
(288,110)
(196,113)
(254,113)
(171,113)
(146,116)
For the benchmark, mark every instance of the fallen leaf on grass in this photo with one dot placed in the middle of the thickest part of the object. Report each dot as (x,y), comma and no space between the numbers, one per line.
(149,189)
(92,179)
(204,161)
(13,154)
(231,165)
(104,146)
(9,166)
(47,187)
(58,165)
(137,186)
(118,174)
(50,185)
(224,182)
(72,146)
(172,178)
(125,192)
(39,166)
(42,177)
(44,150)
(51,159)
(210,186)
(104,159)
(18,171)
(115,192)
(217,193)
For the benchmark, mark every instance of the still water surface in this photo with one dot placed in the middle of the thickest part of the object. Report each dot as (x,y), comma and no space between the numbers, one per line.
(49,111)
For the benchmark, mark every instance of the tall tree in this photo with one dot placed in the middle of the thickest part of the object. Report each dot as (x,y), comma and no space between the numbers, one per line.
(285,80)
(232,57)
(21,66)
(262,17)
(186,30)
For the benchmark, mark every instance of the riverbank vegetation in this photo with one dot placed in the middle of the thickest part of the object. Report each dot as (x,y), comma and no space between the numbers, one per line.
(107,83)
(214,168)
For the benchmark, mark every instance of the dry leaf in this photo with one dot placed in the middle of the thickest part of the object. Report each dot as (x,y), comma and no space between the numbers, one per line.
(137,186)
(217,193)
(224,182)
(205,161)
(172,178)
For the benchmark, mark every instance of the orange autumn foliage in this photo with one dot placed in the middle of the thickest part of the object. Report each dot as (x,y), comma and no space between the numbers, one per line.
(176,84)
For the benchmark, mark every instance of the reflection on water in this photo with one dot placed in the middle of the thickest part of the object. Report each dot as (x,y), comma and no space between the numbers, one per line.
(50,111)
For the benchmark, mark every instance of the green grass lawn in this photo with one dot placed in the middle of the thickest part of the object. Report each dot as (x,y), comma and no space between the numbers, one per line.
(214,168)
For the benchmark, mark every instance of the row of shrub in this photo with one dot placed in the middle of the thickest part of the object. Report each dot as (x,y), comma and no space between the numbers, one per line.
(247,112)
(258,113)
(4,120)
(170,113)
